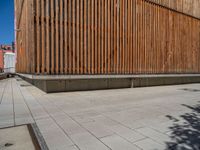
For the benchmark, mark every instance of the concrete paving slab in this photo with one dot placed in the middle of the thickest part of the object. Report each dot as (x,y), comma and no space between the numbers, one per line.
(115,142)
(127,133)
(153,134)
(17,138)
(99,130)
(53,135)
(143,118)
(86,141)
(149,144)
(105,121)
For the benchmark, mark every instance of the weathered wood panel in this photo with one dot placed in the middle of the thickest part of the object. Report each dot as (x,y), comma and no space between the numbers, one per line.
(190,7)
(25,35)
(105,37)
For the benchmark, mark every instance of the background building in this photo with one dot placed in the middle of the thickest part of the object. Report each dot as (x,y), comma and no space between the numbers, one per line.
(7,58)
(8,48)
(1,61)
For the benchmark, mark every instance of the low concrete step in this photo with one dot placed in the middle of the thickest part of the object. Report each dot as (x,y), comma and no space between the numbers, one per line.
(62,83)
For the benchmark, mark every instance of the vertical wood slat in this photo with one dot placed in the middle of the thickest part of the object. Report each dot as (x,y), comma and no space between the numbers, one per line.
(92,36)
(89,36)
(47,38)
(38,34)
(85,35)
(61,37)
(30,39)
(121,34)
(99,37)
(57,35)
(27,65)
(52,37)
(106,37)
(102,36)
(74,36)
(43,36)
(114,36)
(69,37)
(96,37)
(65,36)
(77,37)
(109,36)
(81,37)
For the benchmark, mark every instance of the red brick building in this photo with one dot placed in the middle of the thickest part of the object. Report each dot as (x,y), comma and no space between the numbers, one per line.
(1,60)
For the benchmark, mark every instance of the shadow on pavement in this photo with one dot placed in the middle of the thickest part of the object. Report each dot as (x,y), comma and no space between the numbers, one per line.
(186,135)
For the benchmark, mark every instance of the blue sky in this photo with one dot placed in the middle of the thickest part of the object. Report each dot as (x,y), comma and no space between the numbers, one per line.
(6,21)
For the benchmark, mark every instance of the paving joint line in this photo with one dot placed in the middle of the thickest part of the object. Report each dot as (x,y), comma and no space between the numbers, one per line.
(94,135)
(13,103)
(50,116)
(3,91)
(26,104)
(79,125)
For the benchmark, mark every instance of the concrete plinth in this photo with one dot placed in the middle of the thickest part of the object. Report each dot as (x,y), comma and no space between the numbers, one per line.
(62,83)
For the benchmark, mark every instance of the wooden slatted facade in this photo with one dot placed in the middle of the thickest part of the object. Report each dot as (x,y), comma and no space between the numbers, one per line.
(105,37)
(189,7)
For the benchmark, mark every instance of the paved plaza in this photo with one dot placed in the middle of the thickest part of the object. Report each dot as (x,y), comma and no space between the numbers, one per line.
(150,118)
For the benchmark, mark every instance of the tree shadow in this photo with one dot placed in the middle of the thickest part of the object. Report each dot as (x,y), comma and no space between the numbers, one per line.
(186,135)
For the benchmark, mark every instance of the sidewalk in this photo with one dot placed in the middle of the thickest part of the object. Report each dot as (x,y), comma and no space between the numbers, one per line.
(153,118)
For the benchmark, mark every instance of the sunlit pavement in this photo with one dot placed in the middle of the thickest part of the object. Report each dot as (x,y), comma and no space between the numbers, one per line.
(165,117)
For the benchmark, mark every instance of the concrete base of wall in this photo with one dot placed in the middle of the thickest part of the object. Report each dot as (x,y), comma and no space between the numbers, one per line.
(65,83)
